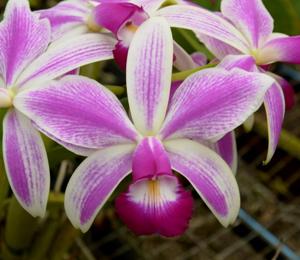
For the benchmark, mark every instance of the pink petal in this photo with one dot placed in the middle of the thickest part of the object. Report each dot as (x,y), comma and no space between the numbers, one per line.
(150,160)
(65,55)
(251,18)
(275,109)
(23,37)
(150,6)
(226,148)
(149,68)
(66,16)
(213,102)
(26,163)
(204,22)
(95,120)
(284,49)
(210,176)
(94,181)
(183,61)
(244,62)
(158,206)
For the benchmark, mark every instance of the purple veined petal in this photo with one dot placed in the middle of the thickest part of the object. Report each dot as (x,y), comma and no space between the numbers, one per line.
(245,62)
(217,47)
(66,16)
(150,160)
(94,181)
(149,68)
(209,174)
(23,37)
(275,109)
(204,22)
(159,206)
(26,163)
(199,58)
(251,18)
(174,86)
(213,102)
(284,49)
(65,55)
(226,148)
(97,118)
(183,61)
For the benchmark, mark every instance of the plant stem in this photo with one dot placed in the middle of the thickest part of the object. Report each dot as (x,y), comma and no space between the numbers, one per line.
(180,76)
(19,231)
(64,241)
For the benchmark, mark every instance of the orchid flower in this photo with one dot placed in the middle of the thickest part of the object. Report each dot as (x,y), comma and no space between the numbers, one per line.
(84,15)
(27,60)
(250,34)
(89,118)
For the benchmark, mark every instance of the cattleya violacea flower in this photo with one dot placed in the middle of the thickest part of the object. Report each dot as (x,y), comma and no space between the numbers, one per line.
(88,118)
(81,16)
(251,35)
(27,60)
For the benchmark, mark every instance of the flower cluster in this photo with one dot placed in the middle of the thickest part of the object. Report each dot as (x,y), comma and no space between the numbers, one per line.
(173,128)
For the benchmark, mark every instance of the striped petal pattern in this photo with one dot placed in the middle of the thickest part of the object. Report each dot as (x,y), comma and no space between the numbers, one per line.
(26,163)
(149,68)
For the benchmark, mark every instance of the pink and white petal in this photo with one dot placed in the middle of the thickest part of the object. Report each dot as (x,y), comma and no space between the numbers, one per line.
(288,92)
(149,68)
(209,174)
(160,206)
(26,163)
(217,47)
(66,16)
(94,181)
(213,102)
(150,6)
(23,37)
(275,109)
(199,58)
(245,62)
(251,18)
(65,55)
(97,118)
(150,160)
(183,61)
(226,148)
(283,49)
(204,22)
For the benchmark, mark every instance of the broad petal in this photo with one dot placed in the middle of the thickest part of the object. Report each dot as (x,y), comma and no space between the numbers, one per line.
(275,109)
(244,62)
(26,163)
(66,16)
(65,55)
(213,102)
(94,181)
(226,148)
(160,206)
(251,18)
(97,118)
(23,37)
(149,68)
(204,22)
(210,176)
(283,49)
